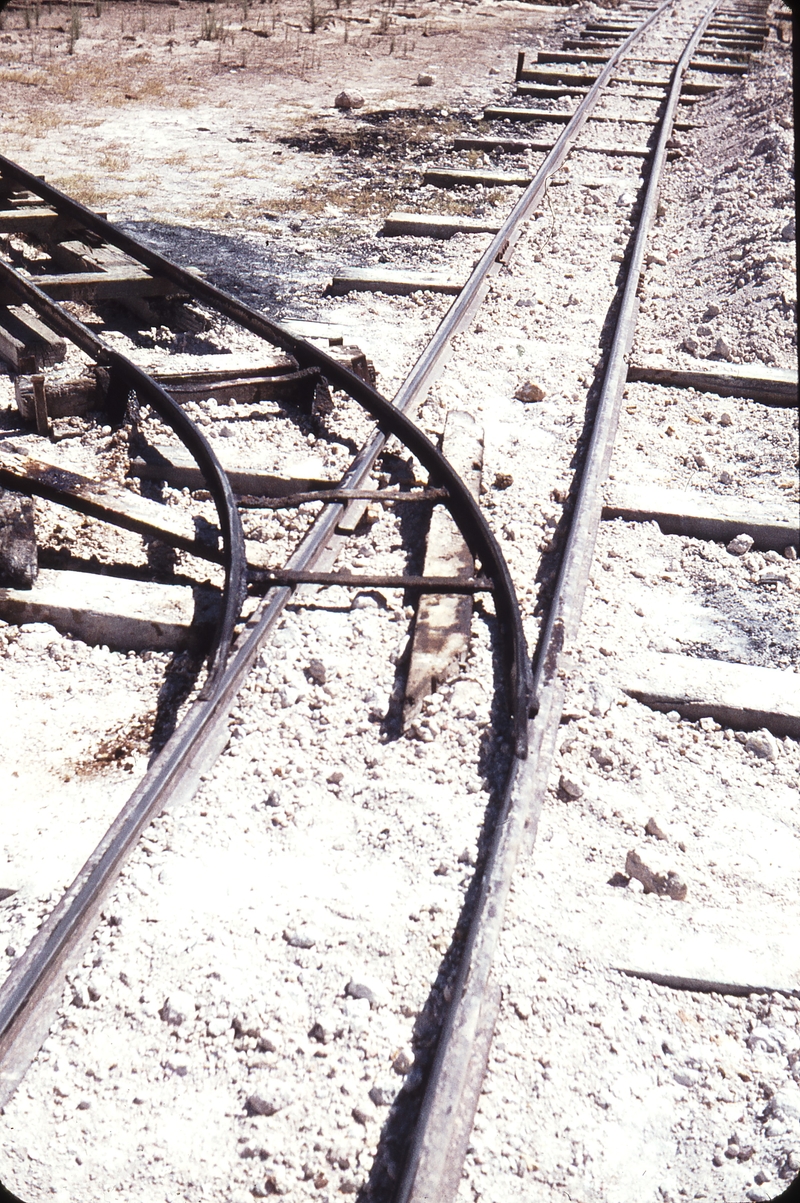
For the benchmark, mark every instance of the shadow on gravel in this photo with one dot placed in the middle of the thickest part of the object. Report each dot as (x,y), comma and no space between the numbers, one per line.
(397,1132)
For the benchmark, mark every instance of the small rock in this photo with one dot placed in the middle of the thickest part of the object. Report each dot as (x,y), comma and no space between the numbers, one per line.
(763,744)
(369,988)
(317,672)
(732,1152)
(349,100)
(503,480)
(218,1026)
(383,1094)
(718,1159)
(712,310)
(362,1115)
(602,757)
(667,883)
(364,601)
(522,1007)
(761,1177)
(725,478)
(686,1077)
(785,1104)
(602,699)
(467,857)
(424,80)
(80,994)
(268,1099)
(327,1028)
(403,1062)
(85,1104)
(722,349)
(790,553)
(299,938)
(652,827)
(700,460)
(726,420)
(530,392)
(740,545)
(178,1008)
(757,1195)
(573,789)
(278,1183)
(788,231)
(704,331)
(691,345)
(626,198)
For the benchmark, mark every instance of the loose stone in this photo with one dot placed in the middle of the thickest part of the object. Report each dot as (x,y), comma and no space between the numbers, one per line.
(763,744)
(349,100)
(666,883)
(268,1099)
(740,545)
(572,788)
(369,988)
(530,392)
(177,1008)
(653,827)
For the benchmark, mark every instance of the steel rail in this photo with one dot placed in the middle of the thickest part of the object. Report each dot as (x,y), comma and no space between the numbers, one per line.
(391,418)
(126,375)
(432,1173)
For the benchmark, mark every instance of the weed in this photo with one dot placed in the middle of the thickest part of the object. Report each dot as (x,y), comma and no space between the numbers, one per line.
(114,160)
(33,79)
(74,28)
(83,187)
(212,28)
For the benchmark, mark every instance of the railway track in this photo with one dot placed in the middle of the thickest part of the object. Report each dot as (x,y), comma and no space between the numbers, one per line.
(66,265)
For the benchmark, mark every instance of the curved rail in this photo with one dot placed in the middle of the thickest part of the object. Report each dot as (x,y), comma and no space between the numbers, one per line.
(126,375)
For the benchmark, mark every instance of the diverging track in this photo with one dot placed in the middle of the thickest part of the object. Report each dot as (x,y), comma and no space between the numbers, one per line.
(634,72)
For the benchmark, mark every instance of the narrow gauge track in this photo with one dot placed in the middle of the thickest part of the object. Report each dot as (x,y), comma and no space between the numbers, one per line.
(434,1166)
